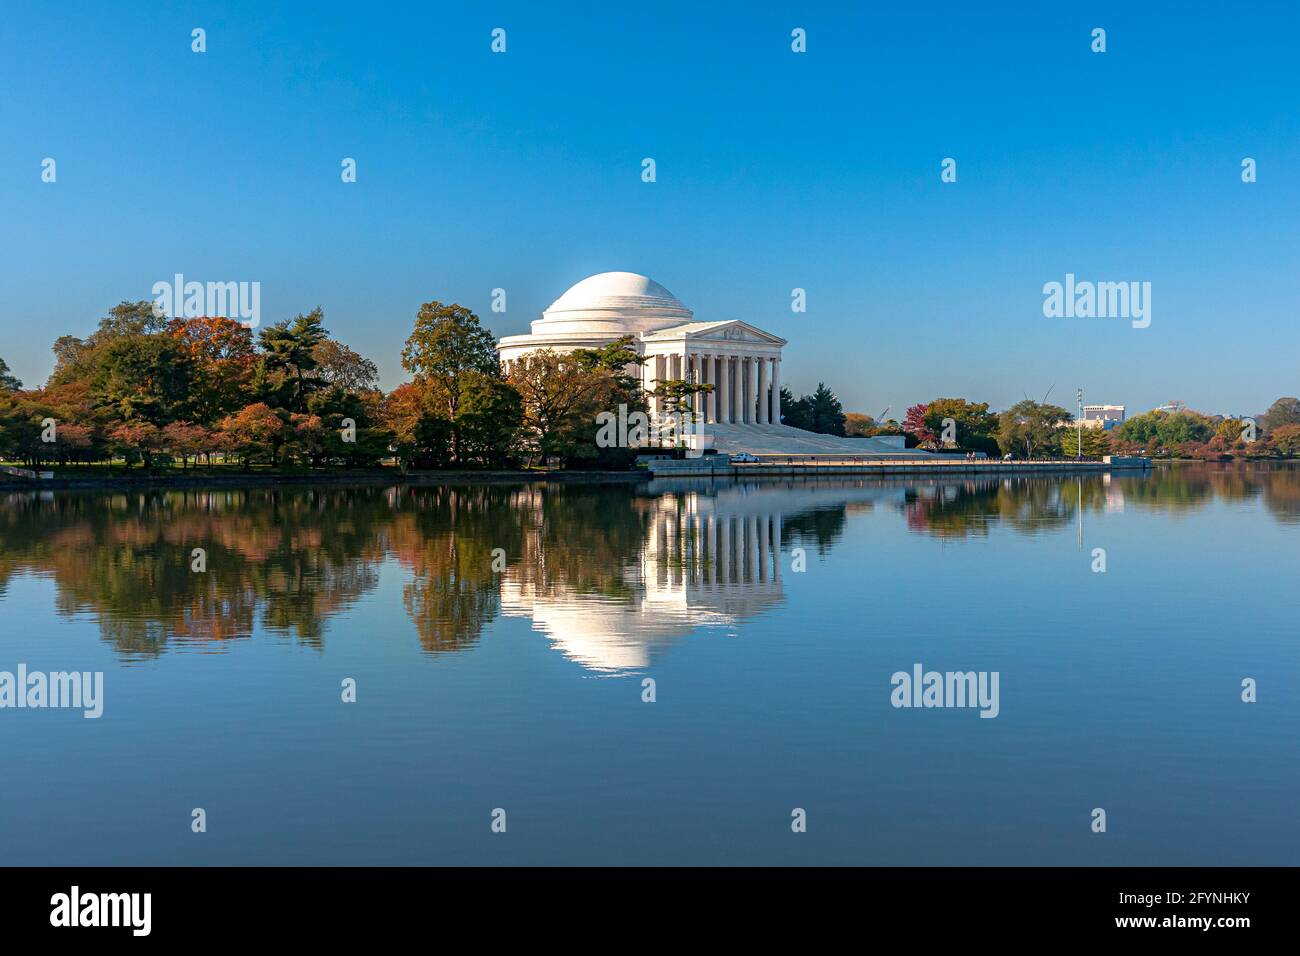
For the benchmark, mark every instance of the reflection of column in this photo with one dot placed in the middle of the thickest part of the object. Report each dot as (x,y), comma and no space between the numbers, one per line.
(776,391)
(724,551)
(738,542)
(661,553)
(776,547)
(763,405)
(764,547)
(751,550)
(684,555)
(697,559)
(713,551)
(671,555)
(683,558)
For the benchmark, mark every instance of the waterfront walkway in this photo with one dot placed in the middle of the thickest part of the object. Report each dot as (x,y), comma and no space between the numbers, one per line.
(774,465)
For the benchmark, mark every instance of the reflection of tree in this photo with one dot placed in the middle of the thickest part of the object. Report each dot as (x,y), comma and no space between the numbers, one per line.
(821,527)
(1025,504)
(1030,504)
(556,539)
(298,556)
(1281,492)
(287,560)
(584,540)
(1174,490)
(446,535)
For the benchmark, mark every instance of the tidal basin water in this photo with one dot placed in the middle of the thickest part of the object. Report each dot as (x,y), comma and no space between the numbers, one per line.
(522,688)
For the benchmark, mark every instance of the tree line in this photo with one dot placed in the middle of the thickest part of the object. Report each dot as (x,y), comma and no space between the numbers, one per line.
(1032,429)
(152,391)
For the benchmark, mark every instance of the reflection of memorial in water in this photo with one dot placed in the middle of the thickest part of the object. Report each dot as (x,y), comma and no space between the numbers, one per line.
(709,556)
(609,572)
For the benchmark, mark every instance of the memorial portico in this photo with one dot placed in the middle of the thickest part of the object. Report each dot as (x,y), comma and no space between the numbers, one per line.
(742,363)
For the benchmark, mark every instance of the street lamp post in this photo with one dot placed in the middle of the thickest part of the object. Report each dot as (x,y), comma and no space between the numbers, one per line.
(1079,398)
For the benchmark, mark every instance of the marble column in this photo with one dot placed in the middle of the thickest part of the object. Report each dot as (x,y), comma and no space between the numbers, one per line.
(724,390)
(763,405)
(677,371)
(739,392)
(776,391)
(710,398)
(649,381)
(697,370)
(751,389)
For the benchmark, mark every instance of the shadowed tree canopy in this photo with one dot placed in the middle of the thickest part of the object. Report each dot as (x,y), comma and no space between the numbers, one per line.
(615,358)
(826,411)
(447,344)
(1285,411)
(147,377)
(338,365)
(819,412)
(290,347)
(561,397)
(1029,428)
(76,358)
(7,382)
(223,356)
(974,425)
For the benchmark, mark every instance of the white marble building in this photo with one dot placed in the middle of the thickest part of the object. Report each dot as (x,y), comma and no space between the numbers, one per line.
(740,361)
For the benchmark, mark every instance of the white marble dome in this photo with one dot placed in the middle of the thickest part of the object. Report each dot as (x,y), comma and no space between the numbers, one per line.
(614,304)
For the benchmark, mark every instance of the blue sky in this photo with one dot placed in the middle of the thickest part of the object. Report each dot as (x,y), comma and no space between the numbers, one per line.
(775,171)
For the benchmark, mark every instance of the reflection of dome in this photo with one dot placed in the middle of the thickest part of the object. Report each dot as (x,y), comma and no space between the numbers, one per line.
(619,303)
(605,635)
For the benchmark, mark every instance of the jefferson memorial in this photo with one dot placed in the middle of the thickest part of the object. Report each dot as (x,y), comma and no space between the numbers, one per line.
(741,362)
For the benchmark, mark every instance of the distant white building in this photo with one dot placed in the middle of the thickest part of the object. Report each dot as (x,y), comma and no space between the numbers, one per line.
(1102,416)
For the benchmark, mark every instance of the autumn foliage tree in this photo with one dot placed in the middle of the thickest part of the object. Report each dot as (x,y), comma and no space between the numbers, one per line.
(255,431)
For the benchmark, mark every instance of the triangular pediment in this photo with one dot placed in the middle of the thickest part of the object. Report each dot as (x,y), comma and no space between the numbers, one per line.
(730,331)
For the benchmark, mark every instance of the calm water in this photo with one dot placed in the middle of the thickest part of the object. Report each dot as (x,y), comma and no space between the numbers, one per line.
(522,689)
